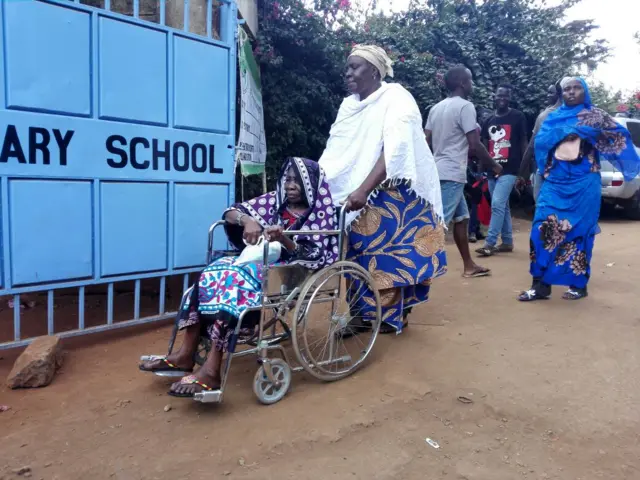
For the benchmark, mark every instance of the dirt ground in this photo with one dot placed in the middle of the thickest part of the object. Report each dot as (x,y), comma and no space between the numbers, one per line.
(555,388)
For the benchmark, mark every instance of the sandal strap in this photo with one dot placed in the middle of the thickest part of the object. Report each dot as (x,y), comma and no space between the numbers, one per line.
(168,363)
(192,380)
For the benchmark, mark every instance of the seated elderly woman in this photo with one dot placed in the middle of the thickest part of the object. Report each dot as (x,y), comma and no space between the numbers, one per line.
(224,291)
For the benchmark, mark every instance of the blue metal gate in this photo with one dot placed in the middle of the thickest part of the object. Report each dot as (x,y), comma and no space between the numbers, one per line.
(116,149)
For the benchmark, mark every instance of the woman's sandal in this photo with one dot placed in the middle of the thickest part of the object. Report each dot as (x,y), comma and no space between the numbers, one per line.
(167,367)
(386,329)
(191,380)
(478,272)
(575,294)
(354,328)
(532,295)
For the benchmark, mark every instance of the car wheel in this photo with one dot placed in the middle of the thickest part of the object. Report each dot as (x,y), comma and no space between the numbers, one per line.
(632,207)
(607,209)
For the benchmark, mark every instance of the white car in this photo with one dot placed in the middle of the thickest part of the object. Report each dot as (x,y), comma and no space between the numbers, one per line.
(615,191)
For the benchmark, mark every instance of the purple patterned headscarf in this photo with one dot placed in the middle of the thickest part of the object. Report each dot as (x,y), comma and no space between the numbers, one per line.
(317,250)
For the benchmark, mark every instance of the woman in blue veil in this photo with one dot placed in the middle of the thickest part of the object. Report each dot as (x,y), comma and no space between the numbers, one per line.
(568,149)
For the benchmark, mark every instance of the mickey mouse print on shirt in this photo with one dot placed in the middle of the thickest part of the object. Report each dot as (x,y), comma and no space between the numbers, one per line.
(506,137)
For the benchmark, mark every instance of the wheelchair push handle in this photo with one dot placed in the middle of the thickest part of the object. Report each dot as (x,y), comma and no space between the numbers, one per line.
(342,213)
(341,232)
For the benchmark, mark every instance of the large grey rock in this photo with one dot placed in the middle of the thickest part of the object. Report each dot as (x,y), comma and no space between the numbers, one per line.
(37,365)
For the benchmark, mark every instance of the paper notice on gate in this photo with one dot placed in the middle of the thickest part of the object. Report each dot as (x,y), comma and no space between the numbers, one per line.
(251,151)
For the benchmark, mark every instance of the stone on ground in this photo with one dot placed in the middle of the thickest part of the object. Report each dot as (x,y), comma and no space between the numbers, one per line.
(37,365)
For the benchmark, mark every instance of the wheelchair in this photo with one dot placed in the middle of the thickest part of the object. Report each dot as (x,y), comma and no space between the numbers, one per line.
(314,313)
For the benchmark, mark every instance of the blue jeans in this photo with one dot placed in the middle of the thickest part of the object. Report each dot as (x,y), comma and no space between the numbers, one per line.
(500,212)
(453,202)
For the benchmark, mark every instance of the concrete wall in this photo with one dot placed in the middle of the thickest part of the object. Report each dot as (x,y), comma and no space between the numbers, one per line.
(248,11)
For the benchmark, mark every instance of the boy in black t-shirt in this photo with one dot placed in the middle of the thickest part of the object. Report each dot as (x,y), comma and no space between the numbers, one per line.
(505,135)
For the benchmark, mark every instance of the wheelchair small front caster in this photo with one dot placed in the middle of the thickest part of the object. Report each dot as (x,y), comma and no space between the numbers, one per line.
(269,392)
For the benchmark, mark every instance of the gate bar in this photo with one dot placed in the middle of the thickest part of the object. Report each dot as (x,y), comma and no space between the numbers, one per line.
(136,301)
(163,287)
(226,33)
(110,304)
(136,8)
(81,308)
(50,312)
(163,7)
(209,18)
(186,16)
(16,317)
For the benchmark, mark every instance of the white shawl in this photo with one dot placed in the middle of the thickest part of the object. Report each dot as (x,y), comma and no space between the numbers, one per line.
(388,118)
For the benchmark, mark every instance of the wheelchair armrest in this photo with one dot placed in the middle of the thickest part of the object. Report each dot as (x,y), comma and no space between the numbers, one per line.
(212,229)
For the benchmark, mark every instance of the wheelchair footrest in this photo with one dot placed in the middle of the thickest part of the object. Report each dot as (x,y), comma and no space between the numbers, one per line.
(213,396)
(151,358)
(172,373)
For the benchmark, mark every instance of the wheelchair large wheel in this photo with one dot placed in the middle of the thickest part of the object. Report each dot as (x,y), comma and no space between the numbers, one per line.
(334,326)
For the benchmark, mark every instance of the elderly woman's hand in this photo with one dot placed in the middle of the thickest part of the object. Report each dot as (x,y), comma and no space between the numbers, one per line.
(356,201)
(252,230)
(274,234)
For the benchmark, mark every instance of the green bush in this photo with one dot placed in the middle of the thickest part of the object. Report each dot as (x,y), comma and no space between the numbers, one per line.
(302,48)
